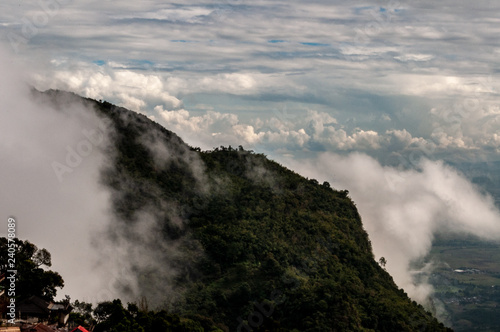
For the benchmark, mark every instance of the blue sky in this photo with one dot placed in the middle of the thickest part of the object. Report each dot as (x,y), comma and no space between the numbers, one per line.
(385,78)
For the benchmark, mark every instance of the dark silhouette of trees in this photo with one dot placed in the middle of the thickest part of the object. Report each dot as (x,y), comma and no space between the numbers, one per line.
(32,278)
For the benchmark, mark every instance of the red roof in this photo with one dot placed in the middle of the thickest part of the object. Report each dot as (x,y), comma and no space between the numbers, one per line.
(80,329)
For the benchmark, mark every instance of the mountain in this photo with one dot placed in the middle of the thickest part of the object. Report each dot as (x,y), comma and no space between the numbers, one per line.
(235,237)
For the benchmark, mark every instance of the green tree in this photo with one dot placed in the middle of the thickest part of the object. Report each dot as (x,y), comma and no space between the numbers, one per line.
(82,314)
(32,277)
(382,261)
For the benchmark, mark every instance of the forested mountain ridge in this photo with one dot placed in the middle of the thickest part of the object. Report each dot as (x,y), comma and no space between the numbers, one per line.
(241,240)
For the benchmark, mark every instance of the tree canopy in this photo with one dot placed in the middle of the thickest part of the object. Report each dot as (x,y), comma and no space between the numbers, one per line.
(32,276)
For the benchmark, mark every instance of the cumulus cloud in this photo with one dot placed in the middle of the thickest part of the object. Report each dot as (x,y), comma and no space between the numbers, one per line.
(316,131)
(319,131)
(204,130)
(130,89)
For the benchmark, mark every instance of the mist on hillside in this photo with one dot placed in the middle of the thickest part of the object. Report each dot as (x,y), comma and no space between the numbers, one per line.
(403,210)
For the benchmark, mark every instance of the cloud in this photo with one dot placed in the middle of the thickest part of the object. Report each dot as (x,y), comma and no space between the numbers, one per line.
(402,211)
(317,131)
(353,63)
(414,57)
(128,88)
(51,159)
(57,155)
(146,237)
(189,14)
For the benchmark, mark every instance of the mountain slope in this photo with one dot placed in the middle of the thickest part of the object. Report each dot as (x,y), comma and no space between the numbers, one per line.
(236,237)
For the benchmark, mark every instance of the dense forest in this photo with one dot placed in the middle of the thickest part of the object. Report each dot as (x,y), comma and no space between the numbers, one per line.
(254,245)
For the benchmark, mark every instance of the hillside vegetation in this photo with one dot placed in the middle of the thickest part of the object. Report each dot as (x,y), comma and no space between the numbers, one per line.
(254,246)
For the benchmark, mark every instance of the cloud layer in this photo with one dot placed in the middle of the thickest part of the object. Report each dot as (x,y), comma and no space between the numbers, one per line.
(426,70)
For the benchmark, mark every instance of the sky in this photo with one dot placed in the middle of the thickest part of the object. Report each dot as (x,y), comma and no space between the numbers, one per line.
(342,91)
(389,78)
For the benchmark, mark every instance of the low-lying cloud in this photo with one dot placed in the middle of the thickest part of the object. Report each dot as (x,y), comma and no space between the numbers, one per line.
(403,210)
(57,155)
(51,160)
